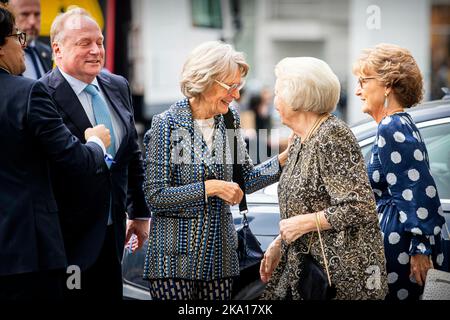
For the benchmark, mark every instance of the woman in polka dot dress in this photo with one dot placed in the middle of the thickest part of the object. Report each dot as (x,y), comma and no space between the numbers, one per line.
(410,212)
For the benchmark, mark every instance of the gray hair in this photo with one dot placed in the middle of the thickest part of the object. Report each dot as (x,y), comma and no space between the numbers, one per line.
(307,84)
(57,28)
(212,60)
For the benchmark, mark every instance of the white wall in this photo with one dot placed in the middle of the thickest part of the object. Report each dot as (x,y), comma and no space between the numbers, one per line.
(318,29)
(166,36)
(402,22)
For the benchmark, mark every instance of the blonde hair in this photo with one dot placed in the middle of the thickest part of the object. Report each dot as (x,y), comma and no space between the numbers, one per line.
(307,84)
(212,60)
(395,68)
(57,28)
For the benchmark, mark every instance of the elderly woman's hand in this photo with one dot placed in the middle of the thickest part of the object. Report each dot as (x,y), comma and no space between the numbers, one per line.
(420,264)
(270,261)
(294,227)
(230,192)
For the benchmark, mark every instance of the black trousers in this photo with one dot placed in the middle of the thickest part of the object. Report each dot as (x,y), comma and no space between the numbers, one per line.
(103,280)
(43,285)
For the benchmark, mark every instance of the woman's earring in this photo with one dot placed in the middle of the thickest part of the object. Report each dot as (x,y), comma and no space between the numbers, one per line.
(386,102)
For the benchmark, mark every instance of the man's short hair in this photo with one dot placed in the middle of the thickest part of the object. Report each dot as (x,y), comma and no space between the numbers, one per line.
(57,28)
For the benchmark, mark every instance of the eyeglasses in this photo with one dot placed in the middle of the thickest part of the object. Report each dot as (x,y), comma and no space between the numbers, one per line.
(21,36)
(230,89)
(363,80)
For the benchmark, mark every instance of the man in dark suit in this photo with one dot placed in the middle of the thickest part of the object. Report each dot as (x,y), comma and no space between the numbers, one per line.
(94,208)
(38,56)
(32,257)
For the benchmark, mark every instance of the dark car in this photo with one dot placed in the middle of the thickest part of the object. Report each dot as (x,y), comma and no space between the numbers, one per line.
(433,120)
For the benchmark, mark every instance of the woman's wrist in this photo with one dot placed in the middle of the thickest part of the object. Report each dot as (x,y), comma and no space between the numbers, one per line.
(210,189)
(277,241)
(321,221)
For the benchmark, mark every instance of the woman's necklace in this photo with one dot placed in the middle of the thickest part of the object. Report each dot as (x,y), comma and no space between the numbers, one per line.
(321,119)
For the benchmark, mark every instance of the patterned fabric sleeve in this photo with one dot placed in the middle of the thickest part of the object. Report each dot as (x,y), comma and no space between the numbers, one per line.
(404,162)
(343,172)
(159,194)
(256,177)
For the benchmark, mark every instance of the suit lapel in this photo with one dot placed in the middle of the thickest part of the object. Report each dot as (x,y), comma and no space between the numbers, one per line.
(222,150)
(44,56)
(68,101)
(182,116)
(213,161)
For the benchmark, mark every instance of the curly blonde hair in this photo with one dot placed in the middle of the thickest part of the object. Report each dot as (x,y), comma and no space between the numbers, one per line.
(212,60)
(396,68)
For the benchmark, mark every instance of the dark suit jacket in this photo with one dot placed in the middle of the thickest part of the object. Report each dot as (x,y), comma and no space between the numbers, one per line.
(84,199)
(45,55)
(32,133)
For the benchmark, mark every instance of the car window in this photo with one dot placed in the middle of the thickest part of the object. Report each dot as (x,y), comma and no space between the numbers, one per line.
(437,140)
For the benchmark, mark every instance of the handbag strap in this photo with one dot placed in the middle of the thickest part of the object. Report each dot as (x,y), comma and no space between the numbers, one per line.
(322,248)
(238,175)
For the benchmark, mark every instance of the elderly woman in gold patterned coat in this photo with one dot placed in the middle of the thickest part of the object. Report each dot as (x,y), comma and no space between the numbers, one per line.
(324,184)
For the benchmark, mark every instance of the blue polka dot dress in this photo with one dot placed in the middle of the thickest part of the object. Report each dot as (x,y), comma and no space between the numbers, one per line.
(409,209)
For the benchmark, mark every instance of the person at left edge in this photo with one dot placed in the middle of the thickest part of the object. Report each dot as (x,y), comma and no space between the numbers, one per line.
(33,136)
(38,55)
(94,208)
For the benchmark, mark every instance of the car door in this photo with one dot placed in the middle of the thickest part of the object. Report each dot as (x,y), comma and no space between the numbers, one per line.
(436,134)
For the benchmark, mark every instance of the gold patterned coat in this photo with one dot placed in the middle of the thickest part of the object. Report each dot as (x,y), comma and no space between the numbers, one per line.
(328,173)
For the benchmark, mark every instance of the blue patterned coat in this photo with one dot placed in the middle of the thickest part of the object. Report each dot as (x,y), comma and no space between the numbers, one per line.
(191,237)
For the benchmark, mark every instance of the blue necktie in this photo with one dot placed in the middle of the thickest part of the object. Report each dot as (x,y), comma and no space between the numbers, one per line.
(102,115)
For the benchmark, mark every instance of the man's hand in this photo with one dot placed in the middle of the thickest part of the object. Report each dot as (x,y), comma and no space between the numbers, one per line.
(99,131)
(140,228)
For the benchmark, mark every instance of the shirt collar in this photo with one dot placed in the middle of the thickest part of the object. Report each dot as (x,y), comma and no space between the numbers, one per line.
(77,85)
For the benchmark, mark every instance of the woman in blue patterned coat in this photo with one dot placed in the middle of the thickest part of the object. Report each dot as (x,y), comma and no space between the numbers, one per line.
(408,205)
(192,242)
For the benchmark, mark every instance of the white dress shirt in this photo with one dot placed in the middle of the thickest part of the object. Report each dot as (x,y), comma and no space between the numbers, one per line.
(78,87)
(206,126)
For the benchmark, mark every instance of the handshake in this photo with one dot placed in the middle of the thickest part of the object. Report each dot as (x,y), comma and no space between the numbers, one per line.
(99,131)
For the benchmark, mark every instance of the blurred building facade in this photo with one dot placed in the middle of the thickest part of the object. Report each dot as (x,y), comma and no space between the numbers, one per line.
(148,40)
(163,33)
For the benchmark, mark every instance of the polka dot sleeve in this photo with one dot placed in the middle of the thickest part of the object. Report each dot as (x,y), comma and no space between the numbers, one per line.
(404,161)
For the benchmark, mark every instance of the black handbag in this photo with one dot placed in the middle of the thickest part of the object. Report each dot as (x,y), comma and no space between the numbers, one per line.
(249,249)
(315,283)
